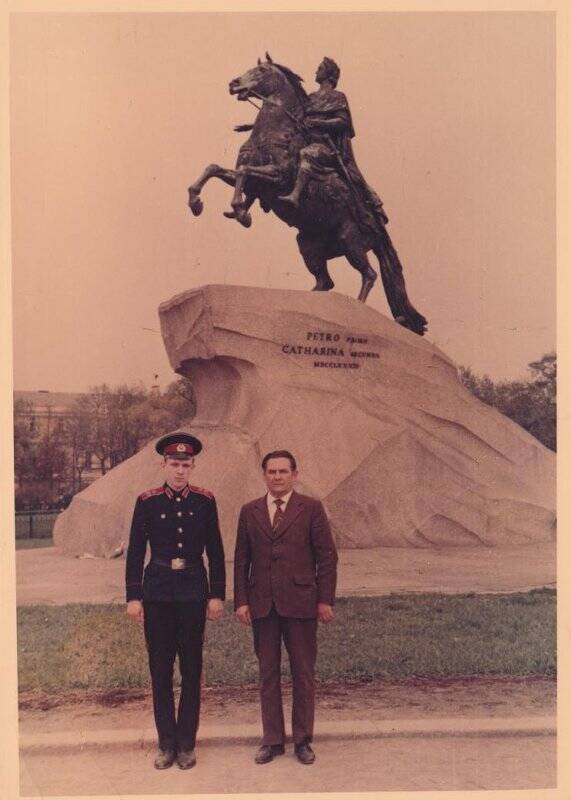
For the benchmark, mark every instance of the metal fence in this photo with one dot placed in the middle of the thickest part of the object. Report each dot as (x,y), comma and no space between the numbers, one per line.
(35,524)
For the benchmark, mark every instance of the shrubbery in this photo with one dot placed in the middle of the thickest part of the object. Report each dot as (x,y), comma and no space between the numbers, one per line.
(532,403)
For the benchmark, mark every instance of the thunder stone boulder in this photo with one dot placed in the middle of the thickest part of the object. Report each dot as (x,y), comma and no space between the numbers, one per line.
(384,432)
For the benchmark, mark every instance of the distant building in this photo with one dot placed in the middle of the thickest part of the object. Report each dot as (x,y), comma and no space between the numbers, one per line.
(61,443)
(48,413)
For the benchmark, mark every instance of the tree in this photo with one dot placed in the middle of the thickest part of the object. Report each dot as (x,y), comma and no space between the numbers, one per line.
(78,440)
(544,374)
(121,421)
(544,382)
(110,433)
(40,458)
(51,459)
(25,442)
(181,397)
(532,404)
(111,424)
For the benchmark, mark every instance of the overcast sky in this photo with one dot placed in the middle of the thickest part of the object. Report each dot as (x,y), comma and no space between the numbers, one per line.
(114,115)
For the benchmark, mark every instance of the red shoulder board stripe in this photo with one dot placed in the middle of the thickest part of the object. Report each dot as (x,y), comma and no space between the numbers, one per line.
(151,493)
(200,490)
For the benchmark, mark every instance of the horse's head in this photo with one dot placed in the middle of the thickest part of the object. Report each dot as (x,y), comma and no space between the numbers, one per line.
(264,79)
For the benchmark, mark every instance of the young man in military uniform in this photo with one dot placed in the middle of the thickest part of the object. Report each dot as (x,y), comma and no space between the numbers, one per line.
(174,597)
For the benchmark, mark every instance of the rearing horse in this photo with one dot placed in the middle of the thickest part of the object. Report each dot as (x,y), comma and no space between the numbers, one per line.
(331,220)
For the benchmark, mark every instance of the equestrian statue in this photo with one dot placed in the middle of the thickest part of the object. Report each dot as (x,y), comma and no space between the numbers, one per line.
(298,162)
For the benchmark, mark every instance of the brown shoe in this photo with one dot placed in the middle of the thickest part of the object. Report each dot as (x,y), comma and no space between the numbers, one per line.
(304,753)
(186,759)
(267,751)
(165,759)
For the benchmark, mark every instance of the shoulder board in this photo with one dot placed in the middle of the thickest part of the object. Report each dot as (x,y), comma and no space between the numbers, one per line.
(151,493)
(200,490)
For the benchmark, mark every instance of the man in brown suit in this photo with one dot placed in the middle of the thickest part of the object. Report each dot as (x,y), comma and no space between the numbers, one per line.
(285,569)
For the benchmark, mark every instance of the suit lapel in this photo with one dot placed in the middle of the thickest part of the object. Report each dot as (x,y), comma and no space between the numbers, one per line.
(262,516)
(293,509)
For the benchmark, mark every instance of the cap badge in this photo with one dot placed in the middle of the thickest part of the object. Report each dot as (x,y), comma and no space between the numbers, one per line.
(181,448)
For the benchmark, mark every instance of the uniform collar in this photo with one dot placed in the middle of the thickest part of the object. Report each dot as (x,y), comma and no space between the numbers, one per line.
(172,493)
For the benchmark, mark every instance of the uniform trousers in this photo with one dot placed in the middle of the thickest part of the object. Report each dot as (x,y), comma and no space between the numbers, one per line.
(173,629)
(300,639)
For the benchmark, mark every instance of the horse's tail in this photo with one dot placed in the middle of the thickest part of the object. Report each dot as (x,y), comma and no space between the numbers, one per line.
(393,282)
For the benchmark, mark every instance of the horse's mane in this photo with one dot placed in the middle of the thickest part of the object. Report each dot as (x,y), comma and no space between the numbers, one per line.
(295,82)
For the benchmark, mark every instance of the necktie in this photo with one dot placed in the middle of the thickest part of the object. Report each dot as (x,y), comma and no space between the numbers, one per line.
(278,515)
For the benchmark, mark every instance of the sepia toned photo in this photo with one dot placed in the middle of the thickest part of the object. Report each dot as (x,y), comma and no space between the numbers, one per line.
(284,401)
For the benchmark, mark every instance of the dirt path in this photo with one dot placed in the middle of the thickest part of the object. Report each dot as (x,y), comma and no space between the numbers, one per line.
(344,763)
(413,699)
(46,576)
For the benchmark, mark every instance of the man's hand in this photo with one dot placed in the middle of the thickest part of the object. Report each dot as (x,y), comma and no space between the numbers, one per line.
(243,614)
(135,610)
(324,612)
(215,608)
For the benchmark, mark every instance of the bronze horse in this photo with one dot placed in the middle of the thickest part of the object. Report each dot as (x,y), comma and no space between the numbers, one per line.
(331,220)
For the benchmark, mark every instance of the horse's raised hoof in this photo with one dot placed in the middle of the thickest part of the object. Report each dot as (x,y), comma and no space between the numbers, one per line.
(196,206)
(243,217)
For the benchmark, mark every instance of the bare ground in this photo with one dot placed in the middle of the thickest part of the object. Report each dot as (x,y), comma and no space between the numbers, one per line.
(412,699)
(47,576)
(343,764)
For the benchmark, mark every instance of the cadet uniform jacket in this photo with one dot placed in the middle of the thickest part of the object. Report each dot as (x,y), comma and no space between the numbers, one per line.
(176,525)
(294,567)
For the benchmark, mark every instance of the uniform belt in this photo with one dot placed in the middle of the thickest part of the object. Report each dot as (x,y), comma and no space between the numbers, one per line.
(176,563)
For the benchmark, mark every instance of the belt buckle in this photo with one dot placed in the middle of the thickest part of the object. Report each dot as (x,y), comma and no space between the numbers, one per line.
(178,563)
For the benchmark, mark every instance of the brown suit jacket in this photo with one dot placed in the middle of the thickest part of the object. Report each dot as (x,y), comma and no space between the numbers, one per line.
(294,567)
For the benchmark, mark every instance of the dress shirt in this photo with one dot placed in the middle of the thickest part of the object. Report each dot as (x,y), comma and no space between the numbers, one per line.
(271,500)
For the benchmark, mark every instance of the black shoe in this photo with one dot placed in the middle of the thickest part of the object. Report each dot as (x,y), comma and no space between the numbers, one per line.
(165,759)
(186,759)
(304,753)
(267,751)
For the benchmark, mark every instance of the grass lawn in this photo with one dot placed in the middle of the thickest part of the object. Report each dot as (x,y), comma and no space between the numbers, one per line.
(395,636)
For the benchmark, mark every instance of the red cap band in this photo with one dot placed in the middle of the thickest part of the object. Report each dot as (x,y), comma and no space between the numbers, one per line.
(178,449)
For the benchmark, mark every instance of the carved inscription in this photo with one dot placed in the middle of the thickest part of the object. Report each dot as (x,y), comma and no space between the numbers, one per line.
(332,350)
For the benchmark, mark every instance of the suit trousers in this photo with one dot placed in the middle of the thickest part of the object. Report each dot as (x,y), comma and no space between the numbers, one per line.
(173,629)
(300,639)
